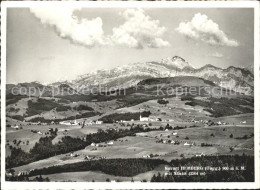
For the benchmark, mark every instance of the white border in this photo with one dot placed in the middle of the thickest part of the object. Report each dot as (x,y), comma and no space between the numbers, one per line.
(135,185)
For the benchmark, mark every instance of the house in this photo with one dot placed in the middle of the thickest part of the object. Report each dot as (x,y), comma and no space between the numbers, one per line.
(166,129)
(69,122)
(93,144)
(199,155)
(144,118)
(99,122)
(244,122)
(187,144)
(164,141)
(110,143)
(146,156)
(172,142)
(15,127)
(8,174)
(39,132)
(23,173)
(174,133)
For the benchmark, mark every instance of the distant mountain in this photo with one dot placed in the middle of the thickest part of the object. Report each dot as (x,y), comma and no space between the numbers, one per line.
(237,79)
(234,78)
(37,89)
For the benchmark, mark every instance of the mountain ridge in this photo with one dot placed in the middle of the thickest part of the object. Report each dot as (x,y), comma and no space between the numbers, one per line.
(235,78)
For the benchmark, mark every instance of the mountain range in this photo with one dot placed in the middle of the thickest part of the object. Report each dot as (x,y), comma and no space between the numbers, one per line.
(234,78)
(125,76)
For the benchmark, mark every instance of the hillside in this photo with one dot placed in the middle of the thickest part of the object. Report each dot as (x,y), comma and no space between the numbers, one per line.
(188,88)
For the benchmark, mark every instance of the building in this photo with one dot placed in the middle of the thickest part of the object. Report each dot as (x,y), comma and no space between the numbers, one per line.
(146,156)
(144,118)
(174,133)
(99,122)
(93,144)
(187,144)
(69,122)
(199,155)
(110,143)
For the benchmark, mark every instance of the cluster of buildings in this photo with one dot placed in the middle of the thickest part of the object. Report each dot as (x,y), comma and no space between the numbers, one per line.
(75,123)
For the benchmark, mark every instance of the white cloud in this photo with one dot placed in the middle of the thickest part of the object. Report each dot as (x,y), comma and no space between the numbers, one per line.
(204,29)
(217,55)
(139,31)
(80,31)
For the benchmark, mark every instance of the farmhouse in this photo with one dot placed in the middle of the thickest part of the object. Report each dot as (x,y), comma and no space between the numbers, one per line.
(110,143)
(174,133)
(187,144)
(93,144)
(99,122)
(68,122)
(199,155)
(146,156)
(144,118)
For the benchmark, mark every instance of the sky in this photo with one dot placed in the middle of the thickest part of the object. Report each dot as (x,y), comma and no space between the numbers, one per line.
(56,44)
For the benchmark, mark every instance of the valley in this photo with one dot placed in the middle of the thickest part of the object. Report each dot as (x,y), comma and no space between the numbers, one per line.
(149,124)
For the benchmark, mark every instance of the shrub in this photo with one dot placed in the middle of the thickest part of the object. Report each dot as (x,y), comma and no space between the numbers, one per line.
(162,101)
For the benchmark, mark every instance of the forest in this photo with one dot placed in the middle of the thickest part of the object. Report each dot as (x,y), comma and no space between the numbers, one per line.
(223,175)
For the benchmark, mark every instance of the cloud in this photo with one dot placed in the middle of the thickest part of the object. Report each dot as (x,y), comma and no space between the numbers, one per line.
(217,55)
(80,31)
(139,31)
(206,30)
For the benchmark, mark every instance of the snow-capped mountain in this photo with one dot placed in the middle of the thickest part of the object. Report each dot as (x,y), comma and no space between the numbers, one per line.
(237,79)
(233,78)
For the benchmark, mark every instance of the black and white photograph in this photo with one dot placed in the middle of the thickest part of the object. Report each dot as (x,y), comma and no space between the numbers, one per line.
(130,93)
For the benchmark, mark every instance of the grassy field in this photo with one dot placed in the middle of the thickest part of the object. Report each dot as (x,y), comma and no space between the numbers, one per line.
(175,113)
(146,143)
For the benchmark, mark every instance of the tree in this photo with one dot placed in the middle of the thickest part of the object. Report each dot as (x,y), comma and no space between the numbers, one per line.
(231,135)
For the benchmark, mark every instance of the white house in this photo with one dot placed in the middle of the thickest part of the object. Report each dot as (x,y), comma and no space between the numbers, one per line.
(15,127)
(199,155)
(146,156)
(174,133)
(69,122)
(187,144)
(110,143)
(99,122)
(93,144)
(144,118)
